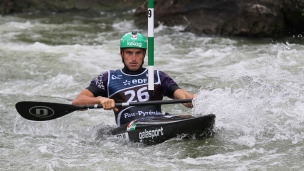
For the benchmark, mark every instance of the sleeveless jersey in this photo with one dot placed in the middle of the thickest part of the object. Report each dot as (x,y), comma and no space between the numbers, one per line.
(133,88)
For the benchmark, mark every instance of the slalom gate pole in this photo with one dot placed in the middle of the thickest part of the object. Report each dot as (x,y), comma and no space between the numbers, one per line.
(151,46)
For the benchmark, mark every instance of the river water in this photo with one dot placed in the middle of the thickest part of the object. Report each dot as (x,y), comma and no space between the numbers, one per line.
(255,88)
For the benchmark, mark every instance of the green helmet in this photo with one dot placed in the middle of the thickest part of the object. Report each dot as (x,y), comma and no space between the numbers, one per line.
(133,40)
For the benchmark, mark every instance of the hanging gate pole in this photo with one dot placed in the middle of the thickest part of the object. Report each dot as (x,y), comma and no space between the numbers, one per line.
(151,46)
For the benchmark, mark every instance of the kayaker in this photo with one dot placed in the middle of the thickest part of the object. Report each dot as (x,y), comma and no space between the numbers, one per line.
(130,84)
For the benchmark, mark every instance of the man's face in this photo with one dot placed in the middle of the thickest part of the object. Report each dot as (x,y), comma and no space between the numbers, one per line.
(133,58)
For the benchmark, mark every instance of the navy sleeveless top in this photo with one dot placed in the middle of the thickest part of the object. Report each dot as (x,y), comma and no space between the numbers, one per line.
(122,87)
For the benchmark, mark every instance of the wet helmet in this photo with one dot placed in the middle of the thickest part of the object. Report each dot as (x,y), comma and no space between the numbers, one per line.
(133,40)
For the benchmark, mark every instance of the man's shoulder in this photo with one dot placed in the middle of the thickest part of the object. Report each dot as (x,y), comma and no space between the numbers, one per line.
(112,71)
(162,73)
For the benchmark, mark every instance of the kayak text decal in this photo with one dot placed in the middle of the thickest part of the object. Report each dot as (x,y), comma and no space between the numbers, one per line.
(151,133)
(123,135)
(142,113)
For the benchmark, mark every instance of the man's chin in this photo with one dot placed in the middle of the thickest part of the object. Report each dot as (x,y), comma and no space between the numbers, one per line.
(133,68)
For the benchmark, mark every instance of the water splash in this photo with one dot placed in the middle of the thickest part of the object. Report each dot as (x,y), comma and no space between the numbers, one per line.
(256,110)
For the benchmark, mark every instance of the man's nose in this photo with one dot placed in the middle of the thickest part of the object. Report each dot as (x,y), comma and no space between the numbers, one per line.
(133,56)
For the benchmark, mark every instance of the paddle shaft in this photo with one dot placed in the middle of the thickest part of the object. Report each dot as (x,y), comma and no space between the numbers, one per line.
(156,102)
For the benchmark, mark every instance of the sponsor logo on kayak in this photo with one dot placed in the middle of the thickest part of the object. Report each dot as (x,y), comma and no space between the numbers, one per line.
(150,133)
(41,111)
(137,44)
(123,135)
(142,113)
(131,126)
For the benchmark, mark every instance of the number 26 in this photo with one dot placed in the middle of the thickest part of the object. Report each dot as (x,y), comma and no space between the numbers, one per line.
(141,94)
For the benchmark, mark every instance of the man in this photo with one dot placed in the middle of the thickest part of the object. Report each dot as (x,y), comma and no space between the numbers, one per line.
(130,84)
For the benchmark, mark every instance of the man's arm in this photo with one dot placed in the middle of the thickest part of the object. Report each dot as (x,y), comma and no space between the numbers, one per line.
(171,89)
(182,94)
(87,97)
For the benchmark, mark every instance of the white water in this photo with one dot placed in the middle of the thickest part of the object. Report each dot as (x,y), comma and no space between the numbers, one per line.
(255,88)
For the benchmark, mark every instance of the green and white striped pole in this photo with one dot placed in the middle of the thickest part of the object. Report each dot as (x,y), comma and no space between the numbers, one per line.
(151,46)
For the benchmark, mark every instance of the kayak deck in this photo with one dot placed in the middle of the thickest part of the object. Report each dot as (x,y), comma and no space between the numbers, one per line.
(156,130)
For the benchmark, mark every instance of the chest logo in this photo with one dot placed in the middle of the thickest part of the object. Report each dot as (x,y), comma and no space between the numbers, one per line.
(140,81)
(116,77)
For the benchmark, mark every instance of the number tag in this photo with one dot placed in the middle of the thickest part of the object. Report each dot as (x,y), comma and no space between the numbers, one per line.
(141,95)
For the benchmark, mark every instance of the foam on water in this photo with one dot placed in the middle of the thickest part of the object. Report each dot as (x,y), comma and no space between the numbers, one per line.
(256,113)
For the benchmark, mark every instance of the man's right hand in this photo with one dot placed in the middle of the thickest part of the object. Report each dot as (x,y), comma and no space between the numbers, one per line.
(107,103)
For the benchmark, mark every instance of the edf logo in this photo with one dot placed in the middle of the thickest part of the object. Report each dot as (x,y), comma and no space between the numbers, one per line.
(140,81)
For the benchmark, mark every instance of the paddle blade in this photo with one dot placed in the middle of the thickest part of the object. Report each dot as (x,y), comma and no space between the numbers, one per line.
(43,111)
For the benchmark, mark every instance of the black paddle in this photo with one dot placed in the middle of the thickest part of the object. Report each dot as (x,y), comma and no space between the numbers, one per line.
(43,111)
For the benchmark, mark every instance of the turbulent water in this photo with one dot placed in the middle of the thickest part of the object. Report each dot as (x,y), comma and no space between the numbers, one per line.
(255,88)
